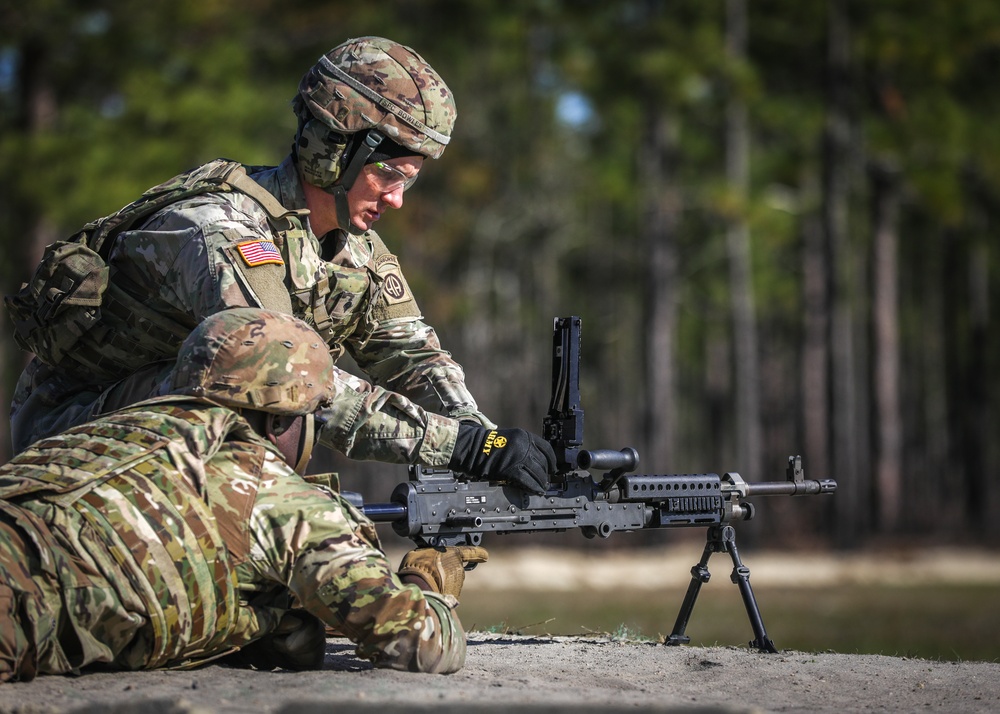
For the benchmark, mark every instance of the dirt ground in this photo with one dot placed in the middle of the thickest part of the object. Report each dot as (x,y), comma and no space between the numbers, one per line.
(563,674)
(558,674)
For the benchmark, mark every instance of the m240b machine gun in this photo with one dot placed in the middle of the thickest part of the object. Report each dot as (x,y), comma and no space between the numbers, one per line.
(442,508)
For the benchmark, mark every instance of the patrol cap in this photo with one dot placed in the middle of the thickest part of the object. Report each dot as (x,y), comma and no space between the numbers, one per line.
(375,83)
(249,358)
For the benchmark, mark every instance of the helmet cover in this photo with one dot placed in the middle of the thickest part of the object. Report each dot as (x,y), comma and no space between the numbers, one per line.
(375,83)
(248,358)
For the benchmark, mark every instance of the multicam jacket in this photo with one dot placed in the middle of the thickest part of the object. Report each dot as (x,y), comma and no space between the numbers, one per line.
(169,533)
(216,251)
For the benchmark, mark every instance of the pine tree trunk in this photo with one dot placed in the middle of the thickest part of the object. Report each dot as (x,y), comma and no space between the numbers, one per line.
(885,308)
(661,206)
(746,361)
(850,504)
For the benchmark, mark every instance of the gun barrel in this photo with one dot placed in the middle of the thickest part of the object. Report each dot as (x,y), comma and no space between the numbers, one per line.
(384,512)
(791,488)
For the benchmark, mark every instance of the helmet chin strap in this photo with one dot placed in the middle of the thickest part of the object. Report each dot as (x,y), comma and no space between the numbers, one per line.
(339,194)
(301,450)
(307,443)
(346,181)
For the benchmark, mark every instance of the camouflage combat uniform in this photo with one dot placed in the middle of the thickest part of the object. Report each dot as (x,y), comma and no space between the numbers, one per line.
(169,533)
(189,261)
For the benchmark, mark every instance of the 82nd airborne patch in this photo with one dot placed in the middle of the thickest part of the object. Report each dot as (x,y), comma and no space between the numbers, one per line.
(394,287)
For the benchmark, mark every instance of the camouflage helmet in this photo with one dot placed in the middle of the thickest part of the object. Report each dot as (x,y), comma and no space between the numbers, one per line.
(255,359)
(375,83)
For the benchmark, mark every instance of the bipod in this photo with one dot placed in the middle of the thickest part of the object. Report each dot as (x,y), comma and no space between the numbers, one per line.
(721,539)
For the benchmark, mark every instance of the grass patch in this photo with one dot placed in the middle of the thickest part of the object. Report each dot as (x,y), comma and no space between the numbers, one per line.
(938,622)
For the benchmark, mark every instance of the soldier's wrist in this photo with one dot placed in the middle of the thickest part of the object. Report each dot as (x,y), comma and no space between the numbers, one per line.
(438,443)
(418,580)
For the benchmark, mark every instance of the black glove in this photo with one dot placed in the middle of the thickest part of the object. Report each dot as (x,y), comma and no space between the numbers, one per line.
(510,455)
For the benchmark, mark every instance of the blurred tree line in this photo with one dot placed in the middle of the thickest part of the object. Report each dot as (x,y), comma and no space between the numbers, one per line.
(774,217)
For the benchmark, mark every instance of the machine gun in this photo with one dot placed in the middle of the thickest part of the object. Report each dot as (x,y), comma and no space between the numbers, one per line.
(443,508)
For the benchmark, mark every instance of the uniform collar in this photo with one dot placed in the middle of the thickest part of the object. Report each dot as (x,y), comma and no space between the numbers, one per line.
(282,182)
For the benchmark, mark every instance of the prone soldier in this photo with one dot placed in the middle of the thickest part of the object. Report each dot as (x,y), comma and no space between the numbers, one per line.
(179,529)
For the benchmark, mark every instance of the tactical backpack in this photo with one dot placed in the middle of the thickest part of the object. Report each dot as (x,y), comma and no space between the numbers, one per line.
(63,299)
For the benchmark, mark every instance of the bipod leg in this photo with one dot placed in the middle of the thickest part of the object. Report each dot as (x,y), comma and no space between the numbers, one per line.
(699,575)
(741,578)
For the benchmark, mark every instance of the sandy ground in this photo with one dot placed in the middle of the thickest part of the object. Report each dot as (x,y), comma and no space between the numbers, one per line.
(560,674)
(542,675)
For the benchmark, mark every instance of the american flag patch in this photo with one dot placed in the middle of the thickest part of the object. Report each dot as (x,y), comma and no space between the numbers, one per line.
(259,252)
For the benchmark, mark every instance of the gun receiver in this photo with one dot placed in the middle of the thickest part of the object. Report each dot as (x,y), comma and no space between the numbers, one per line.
(442,508)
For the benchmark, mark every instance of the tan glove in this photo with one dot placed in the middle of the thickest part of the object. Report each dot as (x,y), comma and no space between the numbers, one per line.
(443,569)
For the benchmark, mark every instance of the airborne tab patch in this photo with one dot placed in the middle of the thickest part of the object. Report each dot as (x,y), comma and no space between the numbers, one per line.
(259,252)
(395,289)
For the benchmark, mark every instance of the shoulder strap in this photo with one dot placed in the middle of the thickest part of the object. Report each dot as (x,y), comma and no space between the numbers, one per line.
(204,179)
(220,175)
(239,180)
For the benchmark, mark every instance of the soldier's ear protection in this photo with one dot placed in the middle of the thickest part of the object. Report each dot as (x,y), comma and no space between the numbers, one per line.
(319,150)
